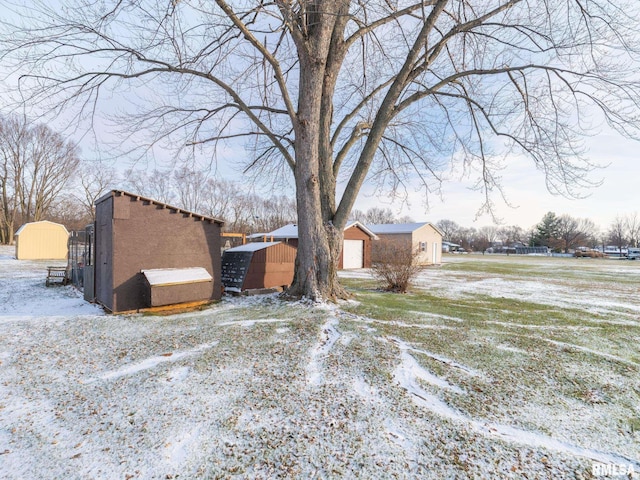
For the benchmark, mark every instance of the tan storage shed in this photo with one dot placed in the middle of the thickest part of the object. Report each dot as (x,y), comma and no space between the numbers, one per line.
(423,237)
(42,241)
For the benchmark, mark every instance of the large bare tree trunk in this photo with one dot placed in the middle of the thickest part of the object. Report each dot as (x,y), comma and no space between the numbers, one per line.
(320,235)
(314,261)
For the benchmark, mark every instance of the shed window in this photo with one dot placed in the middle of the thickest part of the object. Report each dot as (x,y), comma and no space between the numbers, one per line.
(423,246)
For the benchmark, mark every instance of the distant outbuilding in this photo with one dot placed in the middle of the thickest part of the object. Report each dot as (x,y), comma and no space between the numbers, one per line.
(258,265)
(424,238)
(356,249)
(42,241)
(150,254)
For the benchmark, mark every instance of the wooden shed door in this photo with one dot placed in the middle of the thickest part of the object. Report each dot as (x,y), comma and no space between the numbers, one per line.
(353,254)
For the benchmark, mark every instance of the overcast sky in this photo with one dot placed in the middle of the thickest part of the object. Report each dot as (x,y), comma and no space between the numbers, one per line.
(524,186)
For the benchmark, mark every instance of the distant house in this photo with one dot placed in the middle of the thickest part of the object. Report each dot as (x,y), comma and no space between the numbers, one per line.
(356,249)
(424,237)
(150,254)
(42,241)
(258,265)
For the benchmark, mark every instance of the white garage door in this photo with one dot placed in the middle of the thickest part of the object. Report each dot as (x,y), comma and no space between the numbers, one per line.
(353,254)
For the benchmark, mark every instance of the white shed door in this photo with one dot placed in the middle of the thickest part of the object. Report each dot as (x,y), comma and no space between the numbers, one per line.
(353,254)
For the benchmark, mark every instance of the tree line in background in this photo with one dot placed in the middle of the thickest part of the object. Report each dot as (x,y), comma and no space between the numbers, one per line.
(561,233)
(36,166)
(42,177)
(242,210)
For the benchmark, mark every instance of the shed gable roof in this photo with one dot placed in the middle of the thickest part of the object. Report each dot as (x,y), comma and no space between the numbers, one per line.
(400,228)
(393,228)
(252,247)
(41,222)
(120,193)
(362,227)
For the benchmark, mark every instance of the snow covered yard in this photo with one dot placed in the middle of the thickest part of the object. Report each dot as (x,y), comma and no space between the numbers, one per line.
(491,368)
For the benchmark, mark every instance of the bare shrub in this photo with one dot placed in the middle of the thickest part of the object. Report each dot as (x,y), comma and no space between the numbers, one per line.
(396,265)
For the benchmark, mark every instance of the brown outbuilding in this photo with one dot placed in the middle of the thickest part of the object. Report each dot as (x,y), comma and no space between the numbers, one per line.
(258,265)
(356,247)
(150,254)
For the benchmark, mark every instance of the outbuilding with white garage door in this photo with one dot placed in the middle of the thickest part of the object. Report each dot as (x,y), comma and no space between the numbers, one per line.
(356,249)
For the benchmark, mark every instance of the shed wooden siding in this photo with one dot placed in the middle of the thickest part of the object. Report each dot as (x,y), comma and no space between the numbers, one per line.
(161,295)
(271,267)
(42,241)
(133,234)
(356,233)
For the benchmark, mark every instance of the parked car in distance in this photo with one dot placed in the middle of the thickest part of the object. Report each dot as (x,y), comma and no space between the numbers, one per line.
(633,253)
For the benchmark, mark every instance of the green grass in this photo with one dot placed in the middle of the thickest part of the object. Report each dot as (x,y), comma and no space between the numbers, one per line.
(545,352)
(474,309)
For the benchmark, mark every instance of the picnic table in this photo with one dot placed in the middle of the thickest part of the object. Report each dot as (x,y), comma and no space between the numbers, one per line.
(56,274)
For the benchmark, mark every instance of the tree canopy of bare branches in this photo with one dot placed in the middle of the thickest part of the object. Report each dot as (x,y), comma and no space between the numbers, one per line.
(378,215)
(242,210)
(340,91)
(36,164)
(617,233)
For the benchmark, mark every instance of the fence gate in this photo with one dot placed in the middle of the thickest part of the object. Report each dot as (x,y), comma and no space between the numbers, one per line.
(81,260)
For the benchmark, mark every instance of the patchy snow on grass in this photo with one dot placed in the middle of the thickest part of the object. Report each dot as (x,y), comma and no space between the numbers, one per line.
(508,348)
(592,352)
(152,362)
(408,371)
(178,446)
(412,369)
(328,337)
(251,323)
(447,361)
(256,387)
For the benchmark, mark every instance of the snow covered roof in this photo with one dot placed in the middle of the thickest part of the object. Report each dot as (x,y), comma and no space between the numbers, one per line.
(41,222)
(390,228)
(288,231)
(291,230)
(399,228)
(176,276)
(252,247)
